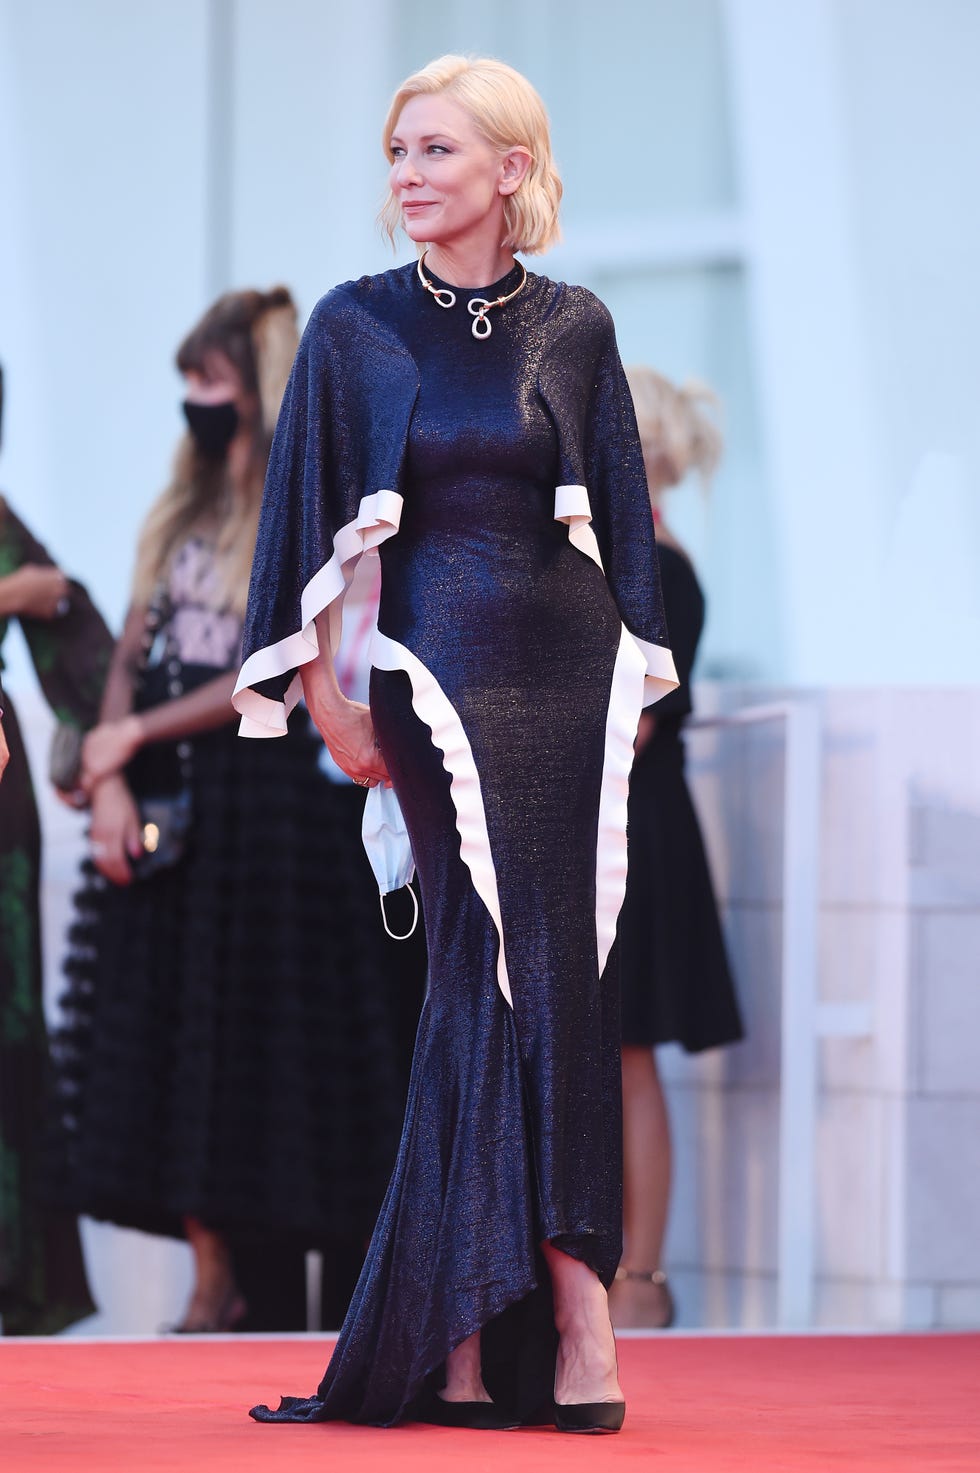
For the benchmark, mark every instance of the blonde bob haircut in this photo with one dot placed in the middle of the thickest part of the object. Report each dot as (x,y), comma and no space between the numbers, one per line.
(509,113)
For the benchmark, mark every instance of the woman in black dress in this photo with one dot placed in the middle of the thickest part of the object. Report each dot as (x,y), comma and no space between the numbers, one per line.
(676,981)
(481,441)
(236,997)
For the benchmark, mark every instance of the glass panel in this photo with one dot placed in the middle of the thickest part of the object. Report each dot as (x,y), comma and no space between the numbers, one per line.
(692,324)
(636,90)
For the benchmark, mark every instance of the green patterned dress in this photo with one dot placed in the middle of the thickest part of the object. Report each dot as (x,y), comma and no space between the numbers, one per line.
(42,1276)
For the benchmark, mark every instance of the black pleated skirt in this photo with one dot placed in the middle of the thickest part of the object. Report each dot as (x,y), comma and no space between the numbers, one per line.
(232,1042)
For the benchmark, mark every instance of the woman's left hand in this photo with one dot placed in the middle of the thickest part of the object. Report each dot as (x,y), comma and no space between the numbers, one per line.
(4,751)
(348,731)
(35,591)
(645,733)
(107,749)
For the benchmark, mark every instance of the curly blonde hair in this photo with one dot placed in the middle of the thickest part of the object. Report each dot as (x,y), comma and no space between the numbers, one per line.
(509,113)
(678,423)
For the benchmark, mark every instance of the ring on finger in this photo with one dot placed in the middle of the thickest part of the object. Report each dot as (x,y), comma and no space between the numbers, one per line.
(362,782)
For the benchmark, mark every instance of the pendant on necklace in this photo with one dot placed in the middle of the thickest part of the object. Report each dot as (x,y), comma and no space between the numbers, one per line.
(478,308)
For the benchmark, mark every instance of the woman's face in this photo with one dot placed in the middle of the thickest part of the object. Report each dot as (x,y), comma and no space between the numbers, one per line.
(217,382)
(220,414)
(450,182)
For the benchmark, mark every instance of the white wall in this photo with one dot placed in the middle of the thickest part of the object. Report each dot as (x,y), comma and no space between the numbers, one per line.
(898,1117)
(101,262)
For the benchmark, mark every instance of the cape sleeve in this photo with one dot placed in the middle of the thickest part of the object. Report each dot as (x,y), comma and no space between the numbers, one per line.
(608,511)
(319,514)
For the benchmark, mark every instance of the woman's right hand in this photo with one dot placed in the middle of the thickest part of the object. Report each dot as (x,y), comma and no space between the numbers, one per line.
(36,591)
(348,731)
(107,749)
(115,836)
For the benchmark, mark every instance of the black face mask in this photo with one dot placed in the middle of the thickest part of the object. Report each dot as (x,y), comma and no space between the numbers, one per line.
(212,425)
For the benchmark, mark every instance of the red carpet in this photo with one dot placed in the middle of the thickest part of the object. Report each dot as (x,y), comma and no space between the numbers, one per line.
(750,1403)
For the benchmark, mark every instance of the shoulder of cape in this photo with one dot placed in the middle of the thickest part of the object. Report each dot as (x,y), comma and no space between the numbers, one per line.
(363,301)
(578,326)
(578,335)
(577,304)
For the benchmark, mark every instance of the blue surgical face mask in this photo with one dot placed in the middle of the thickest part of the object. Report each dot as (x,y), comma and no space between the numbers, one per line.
(388,848)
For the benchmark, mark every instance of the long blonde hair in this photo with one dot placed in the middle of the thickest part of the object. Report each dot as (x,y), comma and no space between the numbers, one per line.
(678,423)
(510,114)
(257,332)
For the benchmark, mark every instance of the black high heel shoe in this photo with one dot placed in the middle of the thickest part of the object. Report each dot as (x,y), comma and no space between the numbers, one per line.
(484,1416)
(589,1416)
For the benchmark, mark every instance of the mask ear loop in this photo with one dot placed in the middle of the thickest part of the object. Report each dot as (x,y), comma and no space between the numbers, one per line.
(415,918)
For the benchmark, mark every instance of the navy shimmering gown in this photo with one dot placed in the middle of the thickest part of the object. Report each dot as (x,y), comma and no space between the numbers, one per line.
(520,632)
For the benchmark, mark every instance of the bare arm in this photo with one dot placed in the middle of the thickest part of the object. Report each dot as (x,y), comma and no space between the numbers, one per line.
(121,732)
(117,697)
(98,756)
(115,830)
(115,826)
(114,742)
(345,726)
(201,710)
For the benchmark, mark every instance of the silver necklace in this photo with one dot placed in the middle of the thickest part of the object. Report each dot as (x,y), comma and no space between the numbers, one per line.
(478,307)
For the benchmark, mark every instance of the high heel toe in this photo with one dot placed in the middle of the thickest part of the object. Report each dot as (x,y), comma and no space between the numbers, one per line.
(590,1416)
(484,1416)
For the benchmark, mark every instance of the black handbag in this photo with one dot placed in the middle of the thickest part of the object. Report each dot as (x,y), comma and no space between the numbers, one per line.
(166,818)
(165,829)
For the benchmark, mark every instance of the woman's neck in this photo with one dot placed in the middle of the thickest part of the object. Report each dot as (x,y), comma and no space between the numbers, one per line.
(469,265)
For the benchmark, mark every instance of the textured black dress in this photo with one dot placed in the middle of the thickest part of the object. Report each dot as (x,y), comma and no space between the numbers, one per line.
(226,1049)
(676,982)
(505,695)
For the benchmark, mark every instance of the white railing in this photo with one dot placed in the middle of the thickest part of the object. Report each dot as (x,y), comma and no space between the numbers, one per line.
(805,1020)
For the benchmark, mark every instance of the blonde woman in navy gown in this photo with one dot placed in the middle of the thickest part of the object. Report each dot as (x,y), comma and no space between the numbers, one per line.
(468,423)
